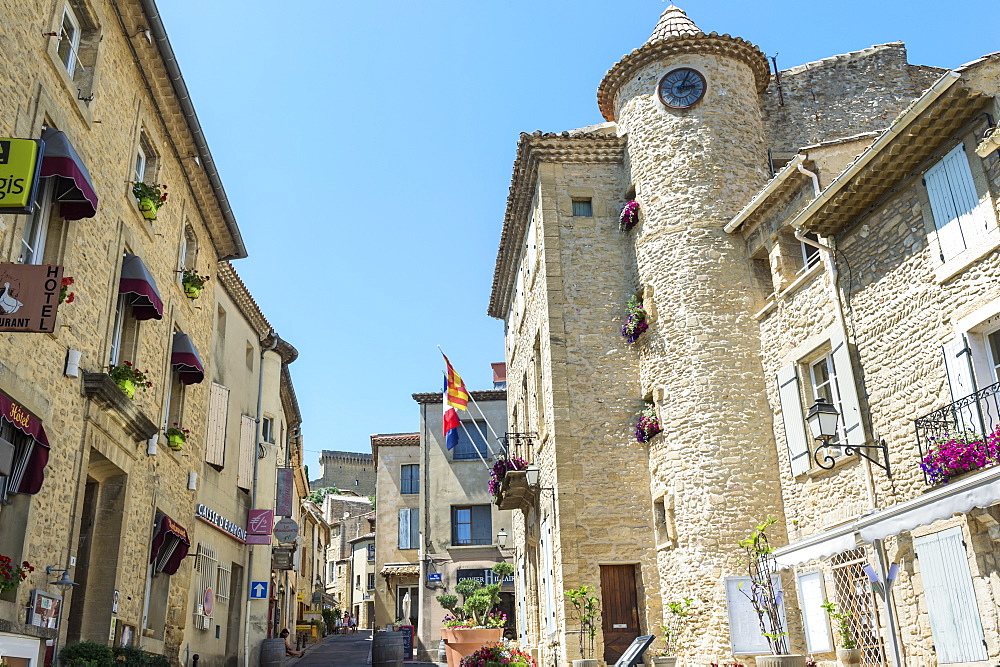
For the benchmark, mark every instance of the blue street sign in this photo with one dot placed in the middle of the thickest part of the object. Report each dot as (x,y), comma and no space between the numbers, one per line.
(258,590)
(433,576)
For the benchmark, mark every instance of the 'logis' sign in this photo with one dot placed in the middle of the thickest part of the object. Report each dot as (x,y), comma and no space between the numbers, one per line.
(29,297)
(20,164)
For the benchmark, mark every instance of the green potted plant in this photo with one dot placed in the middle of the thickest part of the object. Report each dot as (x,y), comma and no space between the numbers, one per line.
(674,622)
(129,378)
(766,597)
(848,653)
(150,198)
(585,610)
(176,437)
(86,654)
(12,575)
(193,283)
(473,624)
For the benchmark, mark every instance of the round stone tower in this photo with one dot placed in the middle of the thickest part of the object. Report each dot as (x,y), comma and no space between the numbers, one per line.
(696,153)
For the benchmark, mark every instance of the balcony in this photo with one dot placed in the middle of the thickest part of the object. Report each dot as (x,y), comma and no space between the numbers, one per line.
(102,389)
(960,437)
(514,492)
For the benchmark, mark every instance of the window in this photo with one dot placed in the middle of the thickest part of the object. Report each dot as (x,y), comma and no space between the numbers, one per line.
(189,251)
(69,40)
(823,377)
(145,161)
(36,225)
(357,582)
(409,481)
(125,334)
(175,400)
(854,596)
(471,442)
(371,552)
(267,430)
(250,355)
(960,217)
(810,253)
(583,208)
(371,581)
(471,525)
(225,574)
(409,528)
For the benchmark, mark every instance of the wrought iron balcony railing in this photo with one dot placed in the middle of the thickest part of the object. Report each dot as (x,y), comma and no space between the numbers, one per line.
(969,422)
(518,444)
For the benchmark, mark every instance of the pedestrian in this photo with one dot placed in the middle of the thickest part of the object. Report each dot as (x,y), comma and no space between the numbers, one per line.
(354,624)
(347,622)
(288,646)
(336,625)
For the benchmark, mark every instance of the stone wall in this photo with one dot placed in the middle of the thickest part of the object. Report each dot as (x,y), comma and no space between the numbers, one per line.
(348,471)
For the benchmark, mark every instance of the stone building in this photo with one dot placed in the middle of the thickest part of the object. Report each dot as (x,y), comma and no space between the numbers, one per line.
(352,472)
(744,311)
(349,518)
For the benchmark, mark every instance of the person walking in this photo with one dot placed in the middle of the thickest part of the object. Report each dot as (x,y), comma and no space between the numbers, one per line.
(354,624)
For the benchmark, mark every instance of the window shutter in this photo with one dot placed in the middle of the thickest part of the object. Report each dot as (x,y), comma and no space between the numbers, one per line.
(854,426)
(548,576)
(218,414)
(946,215)
(971,216)
(414,528)
(951,599)
(482,529)
(248,434)
(404,528)
(814,618)
(791,414)
(956,365)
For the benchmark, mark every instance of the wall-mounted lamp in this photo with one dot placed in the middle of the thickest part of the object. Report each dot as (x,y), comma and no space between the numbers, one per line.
(64,583)
(192,481)
(823,419)
(502,538)
(72,368)
(151,444)
(531,474)
(877,585)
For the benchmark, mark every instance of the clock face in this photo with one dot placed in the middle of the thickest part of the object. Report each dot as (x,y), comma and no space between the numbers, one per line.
(682,88)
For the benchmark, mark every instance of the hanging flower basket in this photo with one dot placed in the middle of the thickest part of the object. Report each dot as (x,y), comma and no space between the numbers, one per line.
(176,437)
(193,283)
(629,216)
(635,322)
(150,198)
(648,425)
(65,296)
(12,575)
(129,378)
(500,470)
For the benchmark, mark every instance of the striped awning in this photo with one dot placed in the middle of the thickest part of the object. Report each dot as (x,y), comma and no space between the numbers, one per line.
(402,570)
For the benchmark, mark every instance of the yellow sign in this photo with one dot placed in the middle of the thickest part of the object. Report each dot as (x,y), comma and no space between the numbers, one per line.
(19,163)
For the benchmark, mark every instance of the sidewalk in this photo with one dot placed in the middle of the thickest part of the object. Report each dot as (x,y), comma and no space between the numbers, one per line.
(353,650)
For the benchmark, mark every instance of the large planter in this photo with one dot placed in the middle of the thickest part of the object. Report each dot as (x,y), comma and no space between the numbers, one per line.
(781,661)
(460,642)
(148,208)
(849,656)
(664,661)
(128,387)
(191,292)
(175,442)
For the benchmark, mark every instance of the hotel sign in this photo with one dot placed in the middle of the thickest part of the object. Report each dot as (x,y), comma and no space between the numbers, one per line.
(20,164)
(29,297)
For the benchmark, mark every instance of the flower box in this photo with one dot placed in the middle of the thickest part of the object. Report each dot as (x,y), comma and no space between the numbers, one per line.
(515,494)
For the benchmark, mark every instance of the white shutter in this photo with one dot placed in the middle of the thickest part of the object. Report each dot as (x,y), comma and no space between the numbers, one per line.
(218,415)
(956,365)
(971,215)
(814,618)
(548,576)
(850,405)
(951,599)
(248,436)
(404,528)
(521,595)
(791,415)
(744,627)
(943,208)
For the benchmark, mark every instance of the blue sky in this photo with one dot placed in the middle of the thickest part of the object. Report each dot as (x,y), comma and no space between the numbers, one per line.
(366,148)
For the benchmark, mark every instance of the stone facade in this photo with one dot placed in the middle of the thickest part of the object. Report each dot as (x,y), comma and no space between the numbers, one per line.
(349,518)
(352,472)
(742,313)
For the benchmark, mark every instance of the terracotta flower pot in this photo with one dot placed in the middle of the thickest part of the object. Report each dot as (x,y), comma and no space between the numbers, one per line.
(148,208)
(128,387)
(191,292)
(460,642)
(849,656)
(781,661)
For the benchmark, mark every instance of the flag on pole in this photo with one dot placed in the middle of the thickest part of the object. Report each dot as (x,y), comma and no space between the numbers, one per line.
(456,395)
(450,422)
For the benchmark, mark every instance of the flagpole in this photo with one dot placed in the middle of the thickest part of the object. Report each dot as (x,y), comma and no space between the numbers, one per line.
(482,414)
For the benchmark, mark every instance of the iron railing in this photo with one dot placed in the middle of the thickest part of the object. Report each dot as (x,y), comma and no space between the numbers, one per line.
(974,416)
(517,444)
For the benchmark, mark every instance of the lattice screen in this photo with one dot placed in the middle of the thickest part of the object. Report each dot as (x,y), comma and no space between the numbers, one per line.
(854,594)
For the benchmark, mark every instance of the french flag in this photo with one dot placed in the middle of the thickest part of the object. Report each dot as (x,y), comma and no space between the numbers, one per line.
(450,420)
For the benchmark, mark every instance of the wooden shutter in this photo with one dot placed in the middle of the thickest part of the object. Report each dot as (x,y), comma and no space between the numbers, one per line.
(414,528)
(404,528)
(951,599)
(972,216)
(814,617)
(218,416)
(248,436)
(957,367)
(482,527)
(843,368)
(548,577)
(945,214)
(791,415)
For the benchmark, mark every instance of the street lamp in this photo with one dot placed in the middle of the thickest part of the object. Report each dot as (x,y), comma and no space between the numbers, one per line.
(531,474)
(823,419)
(502,538)
(64,583)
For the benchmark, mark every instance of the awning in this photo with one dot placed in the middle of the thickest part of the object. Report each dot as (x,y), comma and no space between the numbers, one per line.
(137,280)
(979,490)
(817,546)
(400,570)
(185,360)
(170,545)
(73,190)
(30,456)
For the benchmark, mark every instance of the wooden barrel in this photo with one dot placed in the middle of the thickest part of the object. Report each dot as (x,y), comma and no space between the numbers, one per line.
(272,652)
(387,649)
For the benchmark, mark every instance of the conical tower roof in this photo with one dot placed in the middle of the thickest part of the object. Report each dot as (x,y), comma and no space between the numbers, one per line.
(673,23)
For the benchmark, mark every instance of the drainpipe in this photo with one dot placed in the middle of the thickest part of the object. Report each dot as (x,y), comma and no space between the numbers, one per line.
(253,488)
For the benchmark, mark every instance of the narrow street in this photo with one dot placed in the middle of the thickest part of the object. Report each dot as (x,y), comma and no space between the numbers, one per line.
(346,650)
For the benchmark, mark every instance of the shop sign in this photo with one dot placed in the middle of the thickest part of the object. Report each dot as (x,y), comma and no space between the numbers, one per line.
(286,492)
(213,518)
(286,531)
(20,164)
(29,297)
(485,577)
(259,522)
(281,558)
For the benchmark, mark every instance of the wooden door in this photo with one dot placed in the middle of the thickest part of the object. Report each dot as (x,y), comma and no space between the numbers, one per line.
(619,610)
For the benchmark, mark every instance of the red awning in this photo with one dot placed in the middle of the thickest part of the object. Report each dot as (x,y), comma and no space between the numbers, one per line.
(29,464)
(74,190)
(136,279)
(185,360)
(170,545)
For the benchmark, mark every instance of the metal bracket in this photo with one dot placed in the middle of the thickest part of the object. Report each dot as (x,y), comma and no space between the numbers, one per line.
(827,462)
